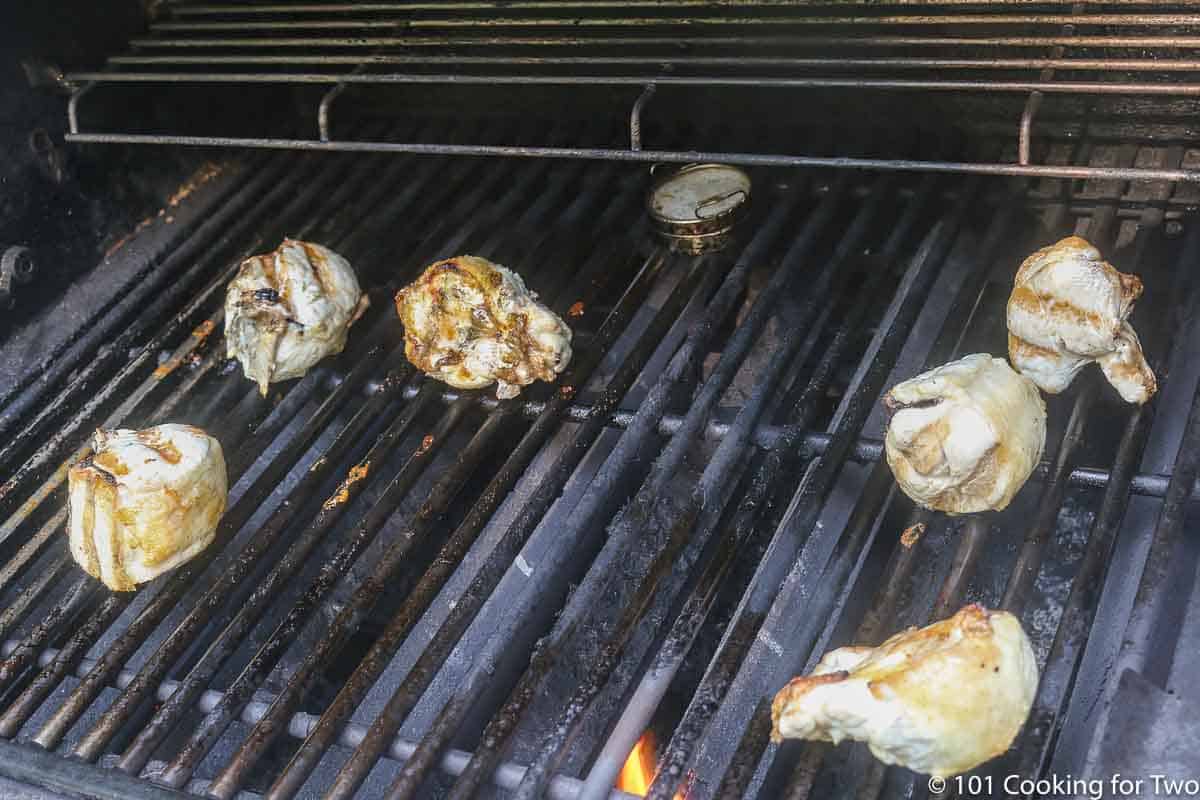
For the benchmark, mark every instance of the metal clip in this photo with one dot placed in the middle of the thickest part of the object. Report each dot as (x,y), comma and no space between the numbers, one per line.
(716,200)
(635,117)
(73,106)
(324,109)
(1024,145)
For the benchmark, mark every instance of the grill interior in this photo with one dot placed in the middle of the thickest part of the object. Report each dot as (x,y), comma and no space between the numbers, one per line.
(420,592)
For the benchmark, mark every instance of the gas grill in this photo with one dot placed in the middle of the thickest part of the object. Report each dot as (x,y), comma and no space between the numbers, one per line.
(595,589)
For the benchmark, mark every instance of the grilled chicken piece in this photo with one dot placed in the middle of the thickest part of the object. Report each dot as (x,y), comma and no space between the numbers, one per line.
(288,309)
(145,502)
(965,436)
(470,323)
(939,700)
(1068,308)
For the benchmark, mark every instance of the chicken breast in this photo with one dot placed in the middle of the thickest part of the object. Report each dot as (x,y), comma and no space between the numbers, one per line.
(288,309)
(964,437)
(939,700)
(145,502)
(1068,308)
(470,323)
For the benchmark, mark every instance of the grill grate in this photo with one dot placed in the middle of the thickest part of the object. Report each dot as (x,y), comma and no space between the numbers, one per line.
(416,589)
(1049,55)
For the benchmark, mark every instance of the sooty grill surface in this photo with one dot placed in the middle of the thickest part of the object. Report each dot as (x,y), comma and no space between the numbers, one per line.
(423,592)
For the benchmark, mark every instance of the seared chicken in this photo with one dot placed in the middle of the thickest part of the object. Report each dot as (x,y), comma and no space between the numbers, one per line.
(965,436)
(288,309)
(939,700)
(1068,308)
(470,323)
(144,502)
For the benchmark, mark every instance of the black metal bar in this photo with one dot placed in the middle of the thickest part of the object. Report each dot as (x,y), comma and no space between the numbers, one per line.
(894,84)
(286,702)
(198,679)
(673,59)
(678,641)
(1079,611)
(238,694)
(125,320)
(263,486)
(744,762)
(447,488)
(1149,601)
(490,573)
(34,766)
(628,526)
(764,593)
(729,456)
(153,613)
(91,744)
(594,499)
(222,9)
(653,156)
(810,443)
(283,186)
(1150,42)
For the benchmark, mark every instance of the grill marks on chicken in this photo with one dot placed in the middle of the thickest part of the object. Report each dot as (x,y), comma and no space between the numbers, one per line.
(145,502)
(288,309)
(1069,308)
(965,437)
(939,700)
(470,323)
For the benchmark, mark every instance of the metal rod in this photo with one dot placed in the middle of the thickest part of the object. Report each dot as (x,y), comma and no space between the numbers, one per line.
(367,593)
(716,479)
(496,563)
(635,116)
(324,109)
(91,744)
(773,585)
(507,776)
(657,679)
(673,59)
(627,527)
(1025,136)
(438,502)
(594,503)
(651,156)
(809,443)
(221,9)
(266,589)
(1021,87)
(576,21)
(1131,42)
(1156,574)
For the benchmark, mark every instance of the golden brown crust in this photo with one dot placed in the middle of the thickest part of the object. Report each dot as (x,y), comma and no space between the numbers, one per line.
(461,301)
(1051,306)
(1019,348)
(940,699)
(794,690)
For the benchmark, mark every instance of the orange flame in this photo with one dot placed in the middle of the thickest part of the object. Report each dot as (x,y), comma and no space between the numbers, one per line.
(638,772)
